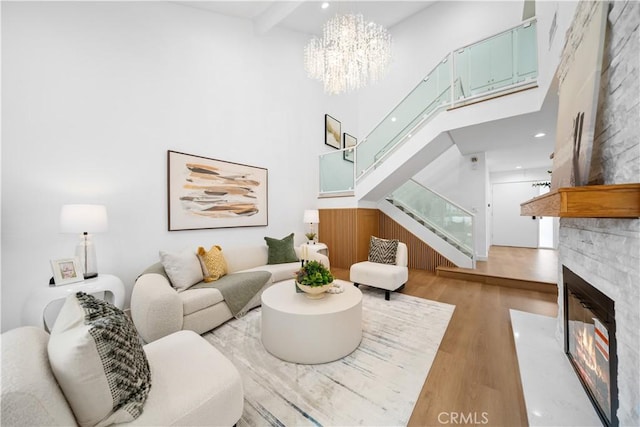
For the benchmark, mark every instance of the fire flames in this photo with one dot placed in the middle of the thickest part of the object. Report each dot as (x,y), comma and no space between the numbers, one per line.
(593,367)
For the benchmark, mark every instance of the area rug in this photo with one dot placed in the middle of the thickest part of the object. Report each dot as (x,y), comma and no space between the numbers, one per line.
(376,385)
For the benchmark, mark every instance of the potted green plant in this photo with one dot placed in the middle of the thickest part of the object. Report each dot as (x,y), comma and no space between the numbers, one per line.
(314,279)
(311,237)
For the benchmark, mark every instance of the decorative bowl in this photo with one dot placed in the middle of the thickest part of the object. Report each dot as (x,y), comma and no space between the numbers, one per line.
(313,279)
(313,292)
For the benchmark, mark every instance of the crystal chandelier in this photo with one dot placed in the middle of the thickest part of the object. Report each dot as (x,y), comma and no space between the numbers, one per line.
(350,53)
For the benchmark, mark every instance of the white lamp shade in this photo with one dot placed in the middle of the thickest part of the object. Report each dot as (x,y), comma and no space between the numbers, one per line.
(311,216)
(83,219)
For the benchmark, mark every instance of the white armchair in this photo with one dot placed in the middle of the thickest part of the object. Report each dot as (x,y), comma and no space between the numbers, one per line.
(390,277)
(192,383)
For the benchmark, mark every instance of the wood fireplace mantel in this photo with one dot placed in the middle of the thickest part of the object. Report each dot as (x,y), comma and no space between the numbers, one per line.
(592,201)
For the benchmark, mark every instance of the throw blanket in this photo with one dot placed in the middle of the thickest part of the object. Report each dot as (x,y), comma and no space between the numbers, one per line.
(238,289)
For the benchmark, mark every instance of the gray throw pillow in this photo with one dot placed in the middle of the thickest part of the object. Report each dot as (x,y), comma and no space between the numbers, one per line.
(383,251)
(281,250)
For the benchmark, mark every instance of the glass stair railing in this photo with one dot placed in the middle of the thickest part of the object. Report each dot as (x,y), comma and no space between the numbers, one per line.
(496,65)
(441,216)
(428,98)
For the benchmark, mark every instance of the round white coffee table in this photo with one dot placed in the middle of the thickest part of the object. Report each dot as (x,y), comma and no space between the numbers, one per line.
(301,330)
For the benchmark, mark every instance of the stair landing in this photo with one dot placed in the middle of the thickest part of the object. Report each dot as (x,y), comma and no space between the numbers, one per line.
(522,268)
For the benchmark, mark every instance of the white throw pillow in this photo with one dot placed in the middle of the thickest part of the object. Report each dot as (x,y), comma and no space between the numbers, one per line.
(96,356)
(183,268)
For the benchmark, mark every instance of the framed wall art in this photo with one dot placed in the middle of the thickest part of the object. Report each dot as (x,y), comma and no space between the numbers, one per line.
(66,270)
(348,141)
(332,132)
(209,193)
(578,89)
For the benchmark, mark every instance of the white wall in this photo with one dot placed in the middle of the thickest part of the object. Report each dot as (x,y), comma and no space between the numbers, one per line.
(520,175)
(94,96)
(524,175)
(455,177)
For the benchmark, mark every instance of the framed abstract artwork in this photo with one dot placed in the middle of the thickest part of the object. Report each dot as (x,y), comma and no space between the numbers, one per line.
(209,193)
(332,132)
(348,141)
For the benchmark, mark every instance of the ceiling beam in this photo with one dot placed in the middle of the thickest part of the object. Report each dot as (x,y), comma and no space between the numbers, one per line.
(274,14)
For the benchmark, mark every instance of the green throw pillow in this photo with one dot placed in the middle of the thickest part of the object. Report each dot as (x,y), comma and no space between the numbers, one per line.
(281,250)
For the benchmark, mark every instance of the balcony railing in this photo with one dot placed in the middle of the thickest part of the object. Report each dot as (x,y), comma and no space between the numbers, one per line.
(502,63)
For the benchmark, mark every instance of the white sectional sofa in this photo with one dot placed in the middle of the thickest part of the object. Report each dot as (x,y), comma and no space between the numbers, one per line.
(192,383)
(158,309)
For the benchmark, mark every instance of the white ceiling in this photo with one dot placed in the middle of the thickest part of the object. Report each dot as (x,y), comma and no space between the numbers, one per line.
(307,16)
(238,9)
(508,142)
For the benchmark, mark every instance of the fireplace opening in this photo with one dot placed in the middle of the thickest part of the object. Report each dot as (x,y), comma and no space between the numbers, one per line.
(590,343)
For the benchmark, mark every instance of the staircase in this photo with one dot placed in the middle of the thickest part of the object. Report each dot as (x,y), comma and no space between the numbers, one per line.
(379,169)
(437,221)
(425,223)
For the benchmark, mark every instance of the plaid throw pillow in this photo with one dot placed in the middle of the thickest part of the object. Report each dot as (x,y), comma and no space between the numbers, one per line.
(383,251)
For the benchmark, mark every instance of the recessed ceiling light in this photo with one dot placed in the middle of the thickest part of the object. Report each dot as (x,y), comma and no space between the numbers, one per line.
(518,167)
(539,135)
(325,5)
(393,119)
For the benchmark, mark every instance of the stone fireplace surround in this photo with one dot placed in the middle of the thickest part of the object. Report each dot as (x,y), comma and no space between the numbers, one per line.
(605,251)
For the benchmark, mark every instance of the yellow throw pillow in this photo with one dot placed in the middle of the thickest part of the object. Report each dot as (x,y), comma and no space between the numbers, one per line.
(214,266)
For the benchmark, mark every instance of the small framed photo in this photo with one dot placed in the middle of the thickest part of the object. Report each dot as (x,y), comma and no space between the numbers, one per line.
(332,132)
(348,141)
(66,270)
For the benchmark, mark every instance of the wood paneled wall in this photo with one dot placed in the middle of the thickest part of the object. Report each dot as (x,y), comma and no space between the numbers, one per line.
(368,225)
(421,255)
(347,232)
(337,229)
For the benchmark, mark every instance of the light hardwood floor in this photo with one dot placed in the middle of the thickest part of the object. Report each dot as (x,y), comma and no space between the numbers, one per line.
(475,375)
(520,263)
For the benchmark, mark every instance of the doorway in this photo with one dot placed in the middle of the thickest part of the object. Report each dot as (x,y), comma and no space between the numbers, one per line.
(508,227)
(545,232)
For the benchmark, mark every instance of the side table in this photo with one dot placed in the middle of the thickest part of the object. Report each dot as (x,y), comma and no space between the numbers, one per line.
(40,299)
(318,247)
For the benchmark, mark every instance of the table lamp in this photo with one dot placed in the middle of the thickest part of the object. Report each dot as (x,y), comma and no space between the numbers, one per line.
(311,217)
(84,219)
